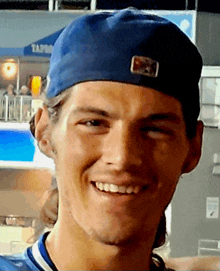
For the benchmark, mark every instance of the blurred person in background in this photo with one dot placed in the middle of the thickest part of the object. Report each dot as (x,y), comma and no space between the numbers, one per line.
(120,121)
(25,91)
(26,107)
(10,91)
(194,263)
(9,94)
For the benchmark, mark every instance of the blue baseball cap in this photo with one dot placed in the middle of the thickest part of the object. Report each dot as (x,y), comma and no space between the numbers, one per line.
(128,46)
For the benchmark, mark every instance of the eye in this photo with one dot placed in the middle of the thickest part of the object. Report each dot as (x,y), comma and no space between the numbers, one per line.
(154,129)
(94,126)
(156,132)
(93,123)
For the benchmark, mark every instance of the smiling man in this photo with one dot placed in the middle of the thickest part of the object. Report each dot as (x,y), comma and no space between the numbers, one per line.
(120,122)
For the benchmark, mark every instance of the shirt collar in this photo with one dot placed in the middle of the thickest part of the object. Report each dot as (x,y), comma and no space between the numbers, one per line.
(41,256)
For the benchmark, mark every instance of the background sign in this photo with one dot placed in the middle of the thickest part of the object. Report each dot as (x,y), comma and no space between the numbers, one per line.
(212,207)
(42,47)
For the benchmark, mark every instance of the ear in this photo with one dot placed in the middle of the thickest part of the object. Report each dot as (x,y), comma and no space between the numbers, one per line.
(43,132)
(195,149)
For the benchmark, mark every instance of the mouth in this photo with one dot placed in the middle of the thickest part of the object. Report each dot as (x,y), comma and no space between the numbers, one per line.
(119,189)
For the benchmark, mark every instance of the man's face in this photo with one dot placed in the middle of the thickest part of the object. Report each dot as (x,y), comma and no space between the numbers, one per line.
(10,91)
(24,91)
(120,150)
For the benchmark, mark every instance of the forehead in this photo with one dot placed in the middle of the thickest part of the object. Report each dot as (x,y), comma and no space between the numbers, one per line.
(122,98)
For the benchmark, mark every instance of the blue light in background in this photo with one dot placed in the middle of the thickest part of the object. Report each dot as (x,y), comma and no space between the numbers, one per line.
(16,145)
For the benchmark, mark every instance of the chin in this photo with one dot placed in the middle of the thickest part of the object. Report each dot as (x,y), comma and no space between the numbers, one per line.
(115,238)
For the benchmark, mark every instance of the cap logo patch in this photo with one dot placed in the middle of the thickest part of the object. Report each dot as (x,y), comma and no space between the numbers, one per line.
(145,66)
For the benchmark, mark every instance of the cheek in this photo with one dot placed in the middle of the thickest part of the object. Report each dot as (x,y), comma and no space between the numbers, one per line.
(171,156)
(168,164)
(75,152)
(75,155)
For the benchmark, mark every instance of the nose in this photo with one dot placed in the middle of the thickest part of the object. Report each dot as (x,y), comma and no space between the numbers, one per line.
(122,149)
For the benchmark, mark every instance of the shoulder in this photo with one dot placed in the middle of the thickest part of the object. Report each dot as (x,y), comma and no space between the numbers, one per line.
(11,263)
(31,259)
(194,263)
(18,262)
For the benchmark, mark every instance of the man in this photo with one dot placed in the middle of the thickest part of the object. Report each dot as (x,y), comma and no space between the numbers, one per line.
(25,91)
(120,123)
(194,263)
(10,91)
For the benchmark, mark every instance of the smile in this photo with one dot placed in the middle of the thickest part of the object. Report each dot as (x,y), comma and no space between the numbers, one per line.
(113,188)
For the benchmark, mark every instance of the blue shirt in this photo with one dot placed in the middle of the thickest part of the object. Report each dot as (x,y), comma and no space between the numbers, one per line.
(34,258)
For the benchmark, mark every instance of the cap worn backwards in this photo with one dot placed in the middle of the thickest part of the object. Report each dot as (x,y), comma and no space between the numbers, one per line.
(129,46)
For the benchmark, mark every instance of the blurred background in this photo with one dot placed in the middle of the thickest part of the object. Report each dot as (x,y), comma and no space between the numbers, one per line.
(27,34)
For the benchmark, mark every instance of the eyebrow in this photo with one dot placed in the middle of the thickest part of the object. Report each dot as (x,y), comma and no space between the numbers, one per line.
(94,110)
(172,117)
(168,116)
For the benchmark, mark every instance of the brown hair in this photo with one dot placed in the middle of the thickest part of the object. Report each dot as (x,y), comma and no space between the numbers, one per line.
(49,211)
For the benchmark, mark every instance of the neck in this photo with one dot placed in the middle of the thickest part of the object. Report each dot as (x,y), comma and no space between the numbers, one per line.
(82,252)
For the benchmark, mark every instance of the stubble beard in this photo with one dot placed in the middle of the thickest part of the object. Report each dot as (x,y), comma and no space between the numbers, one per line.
(112,239)
(114,235)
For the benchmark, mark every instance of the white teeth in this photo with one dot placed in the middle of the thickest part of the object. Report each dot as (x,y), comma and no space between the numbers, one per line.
(137,189)
(100,186)
(106,187)
(122,189)
(117,188)
(129,189)
(113,188)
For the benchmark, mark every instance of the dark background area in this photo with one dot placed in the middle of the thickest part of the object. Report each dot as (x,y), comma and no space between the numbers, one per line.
(200,5)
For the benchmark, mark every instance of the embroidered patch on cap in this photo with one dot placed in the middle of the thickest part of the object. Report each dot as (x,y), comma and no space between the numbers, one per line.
(145,66)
